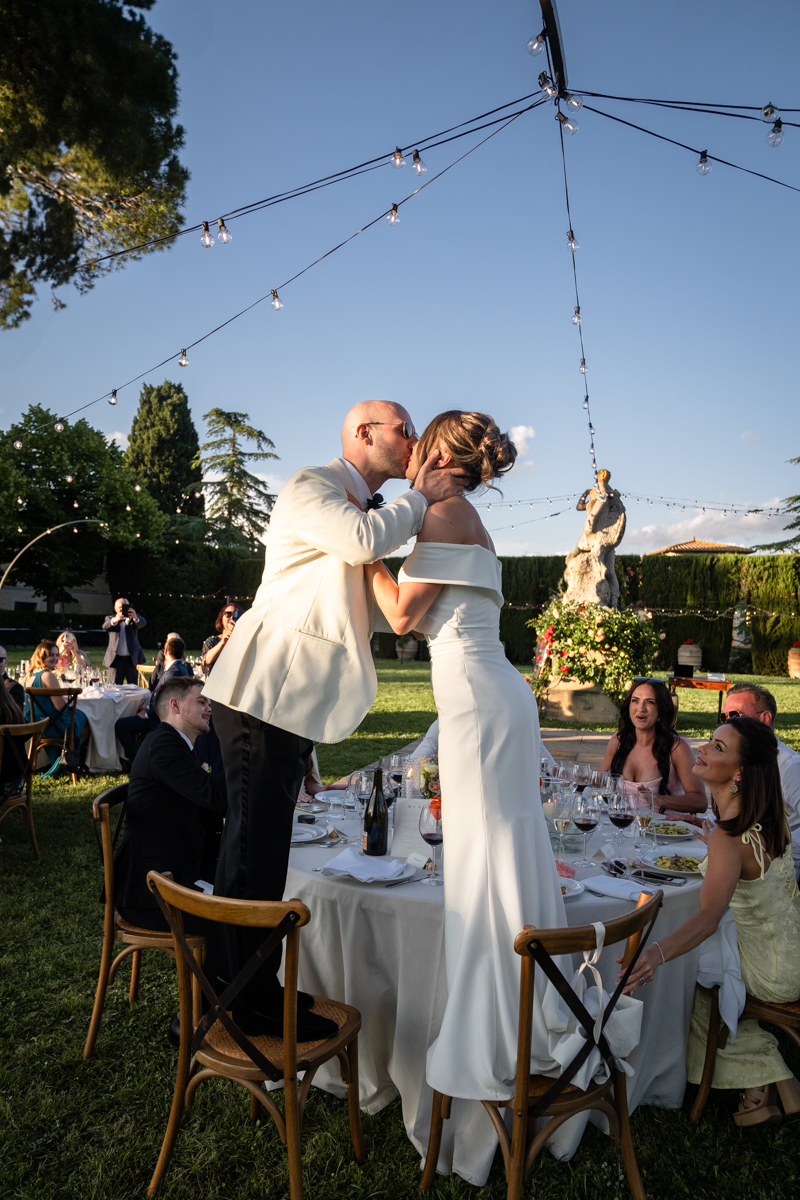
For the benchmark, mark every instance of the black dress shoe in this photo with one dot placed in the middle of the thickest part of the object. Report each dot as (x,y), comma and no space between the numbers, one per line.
(174,1031)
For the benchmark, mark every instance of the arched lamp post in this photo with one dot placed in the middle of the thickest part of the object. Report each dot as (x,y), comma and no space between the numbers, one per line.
(82,521)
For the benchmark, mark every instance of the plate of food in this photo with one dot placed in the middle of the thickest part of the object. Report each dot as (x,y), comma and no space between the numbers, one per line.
(303,834)
(675,864)
(313,807)
(670,831)
(570,887)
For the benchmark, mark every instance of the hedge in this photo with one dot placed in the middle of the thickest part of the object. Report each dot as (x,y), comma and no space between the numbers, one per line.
(772,582)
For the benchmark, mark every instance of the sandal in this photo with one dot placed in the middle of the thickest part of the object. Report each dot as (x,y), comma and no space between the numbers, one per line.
(789,1092)
(758,1110)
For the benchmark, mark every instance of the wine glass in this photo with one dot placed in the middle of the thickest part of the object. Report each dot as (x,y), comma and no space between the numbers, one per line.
(622,813)
(395,769)
(645,810)
(585,814)
(581,775)
(430,828)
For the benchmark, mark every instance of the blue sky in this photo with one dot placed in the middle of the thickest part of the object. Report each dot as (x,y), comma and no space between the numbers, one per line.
(687,283)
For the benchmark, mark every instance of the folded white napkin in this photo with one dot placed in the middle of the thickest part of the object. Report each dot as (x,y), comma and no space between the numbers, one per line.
(367,870)
(606,885)
(719,963)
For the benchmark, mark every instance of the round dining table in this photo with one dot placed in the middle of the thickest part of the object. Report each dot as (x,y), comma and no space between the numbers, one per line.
(381,949)
(103,706)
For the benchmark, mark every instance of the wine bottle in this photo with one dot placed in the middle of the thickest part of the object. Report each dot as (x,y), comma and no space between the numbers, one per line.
(376,819)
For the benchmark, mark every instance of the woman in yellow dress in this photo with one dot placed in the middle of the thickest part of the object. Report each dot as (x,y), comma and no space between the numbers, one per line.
(750,868)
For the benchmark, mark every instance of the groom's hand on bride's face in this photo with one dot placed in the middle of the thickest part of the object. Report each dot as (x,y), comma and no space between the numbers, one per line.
(438,483)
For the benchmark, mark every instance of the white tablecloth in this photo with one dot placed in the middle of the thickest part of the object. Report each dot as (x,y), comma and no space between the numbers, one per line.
(382,951)
(103,708)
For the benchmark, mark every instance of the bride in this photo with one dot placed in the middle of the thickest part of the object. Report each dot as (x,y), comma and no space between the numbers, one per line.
(499,870)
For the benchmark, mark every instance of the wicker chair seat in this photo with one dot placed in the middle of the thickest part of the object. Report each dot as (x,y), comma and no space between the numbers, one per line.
(791,1009)
(220,1050)
(159,935)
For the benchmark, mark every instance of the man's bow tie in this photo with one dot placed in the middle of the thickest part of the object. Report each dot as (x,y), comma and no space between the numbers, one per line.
(377,501)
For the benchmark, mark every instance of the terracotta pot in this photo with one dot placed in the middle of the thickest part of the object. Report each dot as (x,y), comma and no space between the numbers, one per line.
(690,655)
(408,651)
(794,662)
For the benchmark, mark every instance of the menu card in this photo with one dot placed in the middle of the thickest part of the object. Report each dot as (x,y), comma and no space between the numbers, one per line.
(407,839)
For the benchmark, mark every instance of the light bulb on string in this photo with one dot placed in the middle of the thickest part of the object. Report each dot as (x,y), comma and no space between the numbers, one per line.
(549,89)
(703,165)
(206,237)
(418,166)
(74,529)
(769,113)
(276,301)
(572,242)
(112,400)
(137,487)
(574,103)
(586,398)
(75,504)
(591,429)
(393,216)
(19,500)
(59,426)
(19,529)
(569,125)
(536,45)
(583,367)
(224,234)
(397,160)
(17,444)
(576,316)
(183,360)
(127,508)
(68,478)
(776,134)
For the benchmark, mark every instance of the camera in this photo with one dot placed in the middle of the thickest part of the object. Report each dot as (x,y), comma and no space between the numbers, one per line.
(237,612)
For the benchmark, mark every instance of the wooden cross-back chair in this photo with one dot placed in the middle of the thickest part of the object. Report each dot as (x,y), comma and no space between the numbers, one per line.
(558,1099)
(71,695)
(218,1049)
(785,1016)
(115,928)
(13,739)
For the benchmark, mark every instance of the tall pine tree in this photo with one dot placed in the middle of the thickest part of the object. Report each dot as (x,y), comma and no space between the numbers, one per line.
(239,502)
(163,450)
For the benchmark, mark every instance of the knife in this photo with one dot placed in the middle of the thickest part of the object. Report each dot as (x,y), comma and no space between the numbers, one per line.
(397,882)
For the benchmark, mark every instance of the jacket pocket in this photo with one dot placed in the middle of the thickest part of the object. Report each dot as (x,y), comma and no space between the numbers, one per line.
(313,633)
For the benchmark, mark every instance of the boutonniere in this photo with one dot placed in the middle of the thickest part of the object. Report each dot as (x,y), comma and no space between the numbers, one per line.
(206,767)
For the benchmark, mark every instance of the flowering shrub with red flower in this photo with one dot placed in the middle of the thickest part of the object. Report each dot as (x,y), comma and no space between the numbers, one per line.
(592,644)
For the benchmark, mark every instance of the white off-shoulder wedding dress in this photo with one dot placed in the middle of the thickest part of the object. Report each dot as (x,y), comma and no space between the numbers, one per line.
(499,871)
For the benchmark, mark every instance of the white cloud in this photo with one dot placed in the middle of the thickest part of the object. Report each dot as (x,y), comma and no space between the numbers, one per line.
(521,436)
(739,530)
(120,438)
(749,436)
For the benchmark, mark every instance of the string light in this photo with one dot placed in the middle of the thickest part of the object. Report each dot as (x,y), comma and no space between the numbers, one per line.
(68,478)
(276,301)
(549,89)
(769,113)
(183,361)
(397,160)
(572,242)
(776,134)
(74,529)
(17,444)
(574,103)
(224,234)
(703,165)
(206,237)
(393,217)
(59,426)
(584,369)
(576,316)
(127,508)
(113,398)
(586,403)
(19,500)
(569,125)
(137,487)
(418,166)
(536,45)
(75,504)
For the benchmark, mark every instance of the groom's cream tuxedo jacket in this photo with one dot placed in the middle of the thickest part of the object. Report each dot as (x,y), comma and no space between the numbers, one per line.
(300,657)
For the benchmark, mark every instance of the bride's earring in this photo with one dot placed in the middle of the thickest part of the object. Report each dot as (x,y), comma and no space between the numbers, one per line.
(734,788)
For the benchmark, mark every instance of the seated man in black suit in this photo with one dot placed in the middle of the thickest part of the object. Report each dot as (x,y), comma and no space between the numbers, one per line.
(158,671)
(14,689)
(172,802)
(146,719)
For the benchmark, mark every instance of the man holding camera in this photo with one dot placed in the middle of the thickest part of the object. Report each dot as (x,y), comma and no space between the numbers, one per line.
(124,652)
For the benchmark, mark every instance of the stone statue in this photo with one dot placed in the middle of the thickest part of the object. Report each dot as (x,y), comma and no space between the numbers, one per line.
(590,574)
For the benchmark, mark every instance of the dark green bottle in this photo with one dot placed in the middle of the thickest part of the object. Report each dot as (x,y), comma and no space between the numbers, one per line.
(376,819)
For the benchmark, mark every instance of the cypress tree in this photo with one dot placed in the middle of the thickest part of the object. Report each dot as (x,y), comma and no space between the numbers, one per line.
(163,448)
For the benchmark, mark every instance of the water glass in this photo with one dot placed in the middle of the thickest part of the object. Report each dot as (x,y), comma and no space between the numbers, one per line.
(559,810)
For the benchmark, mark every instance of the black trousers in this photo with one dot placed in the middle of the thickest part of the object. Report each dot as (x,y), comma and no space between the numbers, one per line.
(264,769)
(123,670)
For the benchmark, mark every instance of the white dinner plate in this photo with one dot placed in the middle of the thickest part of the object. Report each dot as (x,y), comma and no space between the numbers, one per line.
(650,858)
(407,872)
(570,887)
(310,808)
(339,796)
(304,834)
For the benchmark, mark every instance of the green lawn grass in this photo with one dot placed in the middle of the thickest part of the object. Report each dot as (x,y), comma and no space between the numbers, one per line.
(92,1130)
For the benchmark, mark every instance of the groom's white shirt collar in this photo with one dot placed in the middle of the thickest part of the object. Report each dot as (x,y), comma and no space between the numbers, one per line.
(363,494)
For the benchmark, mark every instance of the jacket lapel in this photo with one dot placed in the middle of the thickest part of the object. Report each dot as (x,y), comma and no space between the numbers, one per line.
(337,467)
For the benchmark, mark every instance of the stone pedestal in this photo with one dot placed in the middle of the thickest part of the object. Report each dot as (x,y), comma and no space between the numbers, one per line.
(573,701)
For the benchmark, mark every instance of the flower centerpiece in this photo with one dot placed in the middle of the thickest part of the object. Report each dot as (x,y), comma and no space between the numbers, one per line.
(593,644)
(429,778)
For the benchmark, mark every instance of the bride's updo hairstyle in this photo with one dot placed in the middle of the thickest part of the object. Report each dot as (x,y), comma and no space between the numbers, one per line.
(475,444)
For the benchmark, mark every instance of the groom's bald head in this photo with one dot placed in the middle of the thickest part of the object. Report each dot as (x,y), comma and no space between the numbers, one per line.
(373,441)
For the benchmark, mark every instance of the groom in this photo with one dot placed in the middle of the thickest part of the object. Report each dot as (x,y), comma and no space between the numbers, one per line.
(298,668)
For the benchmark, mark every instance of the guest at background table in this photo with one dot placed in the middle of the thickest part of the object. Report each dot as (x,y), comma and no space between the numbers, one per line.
(225,624)
(70,655)
(158,673)
(12,775)
(42,674)
(12,686)
(749,866)
(752,700)
(649,755)
(124,654)
(170,799)
(146,719)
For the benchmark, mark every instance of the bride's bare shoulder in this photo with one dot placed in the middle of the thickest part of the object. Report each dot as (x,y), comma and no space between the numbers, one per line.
(454,520)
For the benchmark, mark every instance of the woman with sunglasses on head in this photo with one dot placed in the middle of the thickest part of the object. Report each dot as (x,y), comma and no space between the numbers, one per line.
(649,755)
(750,868)
(225,624)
